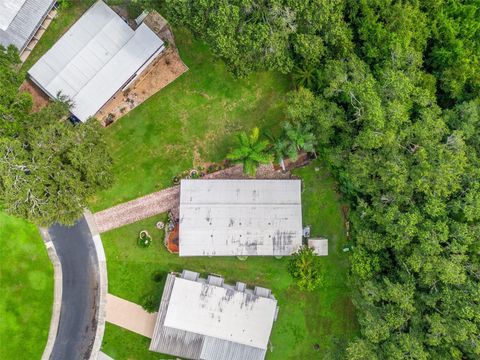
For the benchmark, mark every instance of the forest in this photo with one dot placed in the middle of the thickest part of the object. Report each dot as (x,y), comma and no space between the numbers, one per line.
(392,91)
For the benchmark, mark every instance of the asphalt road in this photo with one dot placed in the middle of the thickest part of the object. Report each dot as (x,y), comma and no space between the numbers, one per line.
(78,316)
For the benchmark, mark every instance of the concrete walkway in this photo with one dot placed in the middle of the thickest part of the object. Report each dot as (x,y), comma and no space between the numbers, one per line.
(130,316)
(167,199)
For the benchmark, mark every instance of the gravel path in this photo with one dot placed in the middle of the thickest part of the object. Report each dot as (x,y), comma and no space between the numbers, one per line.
(138,209)
(167,199)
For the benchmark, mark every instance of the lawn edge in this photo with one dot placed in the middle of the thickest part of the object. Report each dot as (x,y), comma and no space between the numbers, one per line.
(102,264)
(57,292)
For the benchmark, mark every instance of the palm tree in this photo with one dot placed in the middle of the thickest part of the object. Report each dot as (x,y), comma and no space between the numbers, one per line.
(251,152)
(299,137)
(279,148)
(305,77)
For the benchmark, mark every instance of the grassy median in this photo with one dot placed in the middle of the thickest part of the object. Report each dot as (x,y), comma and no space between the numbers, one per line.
(26,283)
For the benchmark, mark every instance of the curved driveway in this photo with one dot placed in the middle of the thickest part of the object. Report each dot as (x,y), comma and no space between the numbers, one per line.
(80,294)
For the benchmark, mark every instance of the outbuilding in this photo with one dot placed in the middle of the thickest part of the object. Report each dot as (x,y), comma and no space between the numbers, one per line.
(206,319)
(96,58)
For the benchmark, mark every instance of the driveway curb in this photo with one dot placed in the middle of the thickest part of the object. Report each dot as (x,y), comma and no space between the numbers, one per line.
(57,292)
(102,267)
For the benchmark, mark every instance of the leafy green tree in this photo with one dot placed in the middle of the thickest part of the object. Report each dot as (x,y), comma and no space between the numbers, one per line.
(14,106)
(265,34)
(306,268)
(251,152)
(410,171)
(48,167)
(455,45)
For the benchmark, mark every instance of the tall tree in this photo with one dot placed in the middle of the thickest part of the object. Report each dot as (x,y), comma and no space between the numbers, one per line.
(454,48)
(265,34)
(48,166)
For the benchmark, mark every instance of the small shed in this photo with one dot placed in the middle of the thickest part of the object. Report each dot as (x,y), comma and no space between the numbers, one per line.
(319,246)
(240,217)
(206,319)
(97,57)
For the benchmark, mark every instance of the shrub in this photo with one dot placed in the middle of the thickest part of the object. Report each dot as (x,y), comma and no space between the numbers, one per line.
(144,239)
(150,303)
(305,268)
(158,276)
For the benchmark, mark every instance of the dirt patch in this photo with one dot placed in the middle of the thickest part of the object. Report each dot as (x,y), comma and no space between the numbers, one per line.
(40,99)
(164,70)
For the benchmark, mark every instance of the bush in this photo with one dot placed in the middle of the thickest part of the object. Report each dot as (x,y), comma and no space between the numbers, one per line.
(144,239)
(305,267)
(158,276)
(150,303)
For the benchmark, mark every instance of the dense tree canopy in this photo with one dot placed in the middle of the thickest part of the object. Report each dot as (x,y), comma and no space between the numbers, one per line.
(48,167)
(391,89)
(266,34)
(454,55)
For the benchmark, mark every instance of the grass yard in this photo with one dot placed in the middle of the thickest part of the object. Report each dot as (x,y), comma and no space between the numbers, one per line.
(325,316)
(26,281)
(192,120)
(122,344)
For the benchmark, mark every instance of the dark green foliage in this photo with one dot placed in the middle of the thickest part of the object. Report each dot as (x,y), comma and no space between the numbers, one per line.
(411,172)
(306,268)
(150,303)
(265,34)
(48,167)
(401,136)
(454,56)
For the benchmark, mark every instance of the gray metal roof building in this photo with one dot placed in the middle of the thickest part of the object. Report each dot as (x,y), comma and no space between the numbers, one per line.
(98,56)
(20,20)
(209,320)
(240,217)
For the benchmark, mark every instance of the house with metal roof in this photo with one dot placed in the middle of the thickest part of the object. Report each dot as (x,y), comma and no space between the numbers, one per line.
(240,217)
(97,57)
(21,19)
(207,319)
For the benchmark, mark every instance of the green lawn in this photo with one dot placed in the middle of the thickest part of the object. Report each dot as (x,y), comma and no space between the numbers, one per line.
(324,317)
(192,120)
(122,344)
(26,283)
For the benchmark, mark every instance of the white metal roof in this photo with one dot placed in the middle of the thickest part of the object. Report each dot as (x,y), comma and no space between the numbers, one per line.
(8,10)
(94,59)
(240,217)
(20,19)
(221,313)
